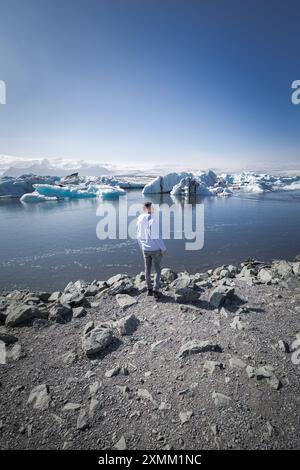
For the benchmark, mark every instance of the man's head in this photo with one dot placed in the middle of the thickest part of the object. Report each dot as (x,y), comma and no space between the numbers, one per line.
(148,207)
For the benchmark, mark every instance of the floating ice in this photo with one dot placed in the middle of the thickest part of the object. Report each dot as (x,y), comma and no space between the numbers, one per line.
(164,184)
(62,192)
(11,187)
(36,197)
(190,186)
(110,192)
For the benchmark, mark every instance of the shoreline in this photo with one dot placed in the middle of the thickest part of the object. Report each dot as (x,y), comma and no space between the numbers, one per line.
(211,365)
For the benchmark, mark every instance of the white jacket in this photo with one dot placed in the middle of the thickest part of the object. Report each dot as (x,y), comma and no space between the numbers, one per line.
(148,233)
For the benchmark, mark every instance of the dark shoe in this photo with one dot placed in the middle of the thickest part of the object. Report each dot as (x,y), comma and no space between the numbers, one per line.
(156,294)
(150,292)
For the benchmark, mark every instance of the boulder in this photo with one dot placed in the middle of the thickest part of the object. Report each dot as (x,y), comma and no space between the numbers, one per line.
(79,312)
(186,295)
(60,313)
(220,294)
(125,300)
(115,279)
(168,275)
(121,287)
(182,282)
(282,268)
(19,315)
(96,340)
(265,276)
(127,325)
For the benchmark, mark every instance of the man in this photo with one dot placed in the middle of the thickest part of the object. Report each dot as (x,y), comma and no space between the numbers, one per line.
(152,246)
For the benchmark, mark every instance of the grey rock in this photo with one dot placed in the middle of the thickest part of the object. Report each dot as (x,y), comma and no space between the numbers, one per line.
(283,346)
(236,363)
(88,327)
(15,353)
(96,340)
(115,279)
(82,420)
(211,366)
(220,399)
(19,315)
(168,275)
(125,300)
(265,275)
(112,372)
(185,416)
(296,268)
(127,325)
(121,444)
(282,268)
(7,338)
(54,297)
(220,294)
(185,295)
(79,312)
(195,347)
(236,324)
(144,394)
(71,406)
(40,397)
(121,287)
(60,313)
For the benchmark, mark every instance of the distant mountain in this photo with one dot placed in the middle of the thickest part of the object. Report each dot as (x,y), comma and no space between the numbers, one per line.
(56,167)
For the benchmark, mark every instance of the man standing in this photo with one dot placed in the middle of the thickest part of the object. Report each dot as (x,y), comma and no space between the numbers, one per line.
(152,246)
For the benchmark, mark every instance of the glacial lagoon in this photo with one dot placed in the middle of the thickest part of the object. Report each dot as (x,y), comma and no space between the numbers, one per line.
(44,246)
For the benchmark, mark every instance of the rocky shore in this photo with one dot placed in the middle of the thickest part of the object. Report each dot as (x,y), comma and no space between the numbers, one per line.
(213,364)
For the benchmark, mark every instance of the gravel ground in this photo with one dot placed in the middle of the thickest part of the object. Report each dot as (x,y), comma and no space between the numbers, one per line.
(158,399)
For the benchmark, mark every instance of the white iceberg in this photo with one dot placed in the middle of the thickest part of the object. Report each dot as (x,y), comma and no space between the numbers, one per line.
(208,179)
(62,192)
(221,191)
(190,186)
(165,184)
(36,197)
(110,192)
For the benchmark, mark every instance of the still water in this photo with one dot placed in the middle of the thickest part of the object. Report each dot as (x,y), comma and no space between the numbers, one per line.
(44,246)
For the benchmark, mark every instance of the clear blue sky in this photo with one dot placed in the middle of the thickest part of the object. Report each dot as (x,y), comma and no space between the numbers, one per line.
(161,81)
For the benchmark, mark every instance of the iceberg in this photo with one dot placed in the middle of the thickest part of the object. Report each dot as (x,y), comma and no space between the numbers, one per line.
(36,197)
(165,184)
(62,192)
(110,192)
(208,178)
(190,186)
(11,187)
(222,192)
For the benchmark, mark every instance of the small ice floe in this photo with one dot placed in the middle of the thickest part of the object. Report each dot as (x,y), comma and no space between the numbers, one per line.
(36,197)
(110,192)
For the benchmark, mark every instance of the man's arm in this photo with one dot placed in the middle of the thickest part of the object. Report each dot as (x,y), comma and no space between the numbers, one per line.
(161,245)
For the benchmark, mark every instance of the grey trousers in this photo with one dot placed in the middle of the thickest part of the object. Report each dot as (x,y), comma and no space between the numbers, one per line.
(155,257)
